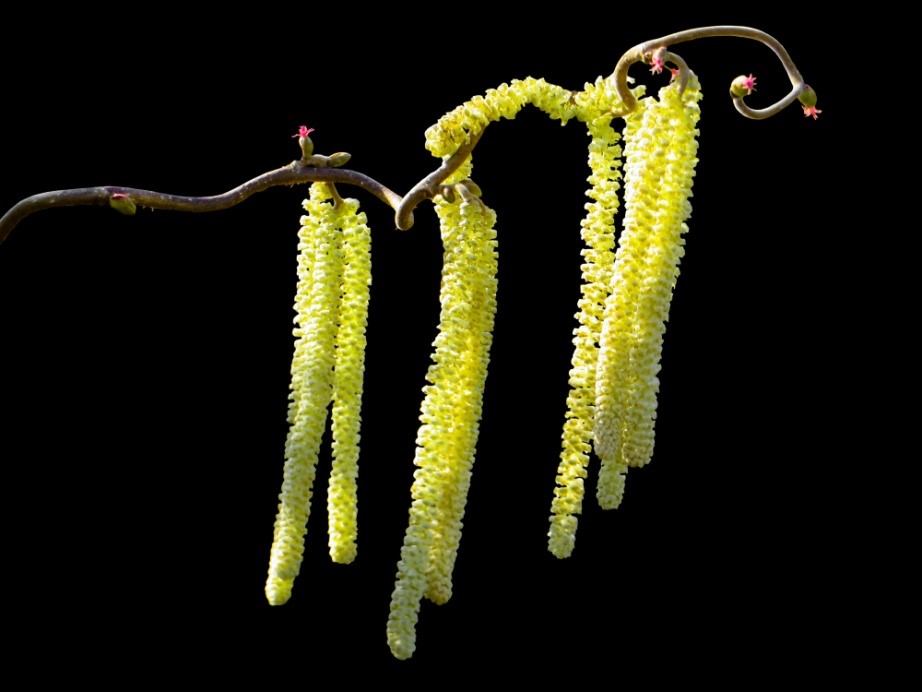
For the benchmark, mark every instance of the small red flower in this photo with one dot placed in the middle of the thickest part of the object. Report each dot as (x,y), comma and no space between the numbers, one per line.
(812,110)
(657,62)
(749,83)
(742,86)
(303,131)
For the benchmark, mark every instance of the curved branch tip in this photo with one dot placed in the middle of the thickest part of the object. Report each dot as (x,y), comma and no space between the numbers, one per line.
(656,51)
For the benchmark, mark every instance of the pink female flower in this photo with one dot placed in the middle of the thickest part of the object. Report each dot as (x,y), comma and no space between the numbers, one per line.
(807,100)
(812,110)
(749,83)
(743,85)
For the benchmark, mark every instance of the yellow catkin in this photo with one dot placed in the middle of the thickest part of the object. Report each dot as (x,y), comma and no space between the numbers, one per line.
(317,305)
(660,153)
(348,377)
(450,415)
(599,99)
(476,248)
(612,377)
(457,127)
(308,236)
(598,232)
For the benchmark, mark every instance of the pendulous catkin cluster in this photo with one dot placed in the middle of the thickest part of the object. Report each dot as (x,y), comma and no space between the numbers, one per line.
(626,294)
(622,310)
(660,157)
(331,306)
(451,412)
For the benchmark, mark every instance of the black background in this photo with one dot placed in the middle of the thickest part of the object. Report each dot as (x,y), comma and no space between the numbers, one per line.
(144,361)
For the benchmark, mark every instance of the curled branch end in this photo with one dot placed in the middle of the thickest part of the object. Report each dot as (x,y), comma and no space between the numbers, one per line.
(656,52)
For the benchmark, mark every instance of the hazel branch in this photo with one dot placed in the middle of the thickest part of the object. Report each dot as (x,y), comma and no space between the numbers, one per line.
(431,185)
(310,169)
(314,169)
(317,168)
(651,51)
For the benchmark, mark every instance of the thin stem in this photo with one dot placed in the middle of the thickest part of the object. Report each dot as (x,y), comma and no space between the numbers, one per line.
(643,51)
(294,173)
(308,170)
(429,186)
(337,200)
(684,70)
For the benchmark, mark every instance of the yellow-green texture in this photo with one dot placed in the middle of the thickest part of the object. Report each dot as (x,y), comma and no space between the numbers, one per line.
(595,106)
(456,128)
(450,416)
(660,157)
(598,233)
(348,379)
(331,305)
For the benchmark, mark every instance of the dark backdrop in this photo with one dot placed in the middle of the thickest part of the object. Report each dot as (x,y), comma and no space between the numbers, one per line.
(145,360)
